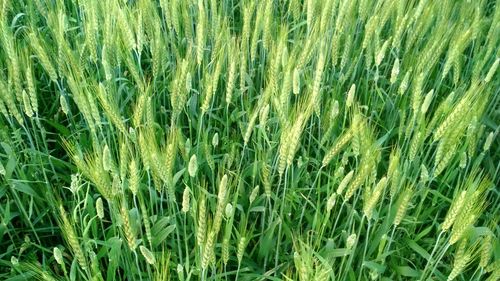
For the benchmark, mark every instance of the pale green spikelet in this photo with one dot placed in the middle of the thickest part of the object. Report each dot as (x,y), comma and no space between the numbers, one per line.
(488,141)
(28,110)
(31,89)
(146,221)
(486,250)
(185,200)
(134,180)
(127,227)
(453,211)
(404,84)
(350,95)
(241,248)
(202,224)
(99,208)
(265,176)
(374,197)
(492,71)
(395,71)
(402,205)
(193,166)
(253,194)
(72,238)
(200,33)
(345,181)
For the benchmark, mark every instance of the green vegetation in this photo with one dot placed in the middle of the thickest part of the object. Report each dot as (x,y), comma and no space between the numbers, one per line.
(249,140)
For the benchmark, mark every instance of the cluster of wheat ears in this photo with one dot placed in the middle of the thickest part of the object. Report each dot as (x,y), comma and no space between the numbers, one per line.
(249,140)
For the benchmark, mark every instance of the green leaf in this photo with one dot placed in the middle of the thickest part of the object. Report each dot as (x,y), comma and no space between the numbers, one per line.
(160,224)
(3,230)
(178,175)
(421,251)
(423,233)
(24,188)
(257,209)
(73,270)
(407,271)
(335,253)
(162,235)
(62,130)
(379,268)
(114,244)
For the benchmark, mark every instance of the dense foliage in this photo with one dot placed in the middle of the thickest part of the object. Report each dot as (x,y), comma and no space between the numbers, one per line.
(249,140)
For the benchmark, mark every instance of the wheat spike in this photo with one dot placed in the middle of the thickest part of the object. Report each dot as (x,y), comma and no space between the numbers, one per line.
(72,239)
(185,200)
(402,206)
(202,224)
(127,227)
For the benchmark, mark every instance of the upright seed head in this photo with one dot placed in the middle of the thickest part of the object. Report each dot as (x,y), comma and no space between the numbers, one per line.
(463,257)
(486,249)
(222,188)
(215,140)
(463,160)
(427,101)
(381,53)
(265,176)
(296,81)
(241,248)
(202,224)
(404,84)
(225,250)
(229,210)
(99,208)
(403,206)
(350,95)
(488,142)
(416,98)
(75,183)
(254,194)
(395,71)
(72,238)
(351,241)
(331,202)
(208,250)
(145,221)
(64,104)
(188,82)
(31,89)
(200,33)
(58,256)
(134,177)
(2,169)
(27,104)
(180,272)
(339,172)
(193,166)
(455,208)
(230,81)
(424,174)
(150,258)
(374,197)
(185,200)
(467,216)
(127,227)
(263,115)
(106,159)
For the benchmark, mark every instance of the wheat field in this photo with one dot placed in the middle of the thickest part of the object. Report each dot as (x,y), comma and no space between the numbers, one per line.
(303,140)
